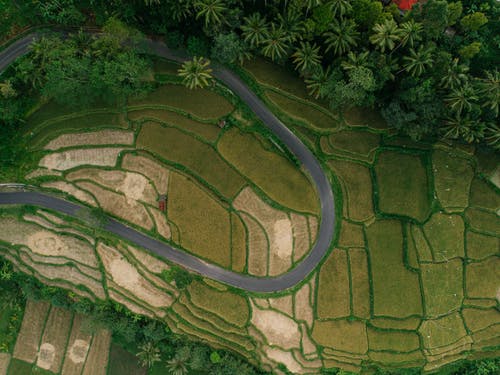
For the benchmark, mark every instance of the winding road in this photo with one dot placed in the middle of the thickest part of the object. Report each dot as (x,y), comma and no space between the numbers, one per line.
(245,282)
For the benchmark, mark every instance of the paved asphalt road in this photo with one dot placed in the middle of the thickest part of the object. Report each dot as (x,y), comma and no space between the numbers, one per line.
(254,284)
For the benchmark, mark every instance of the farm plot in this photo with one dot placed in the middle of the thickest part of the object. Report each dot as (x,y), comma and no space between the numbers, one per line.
(152,169)
(4,363)
(64,160)
(102,137)
(446,236)
(355,144)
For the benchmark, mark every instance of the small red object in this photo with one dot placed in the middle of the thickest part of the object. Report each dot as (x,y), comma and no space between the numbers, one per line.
(405,4)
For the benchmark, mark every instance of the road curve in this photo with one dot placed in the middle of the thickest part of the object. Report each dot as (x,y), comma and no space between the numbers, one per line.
(245,282)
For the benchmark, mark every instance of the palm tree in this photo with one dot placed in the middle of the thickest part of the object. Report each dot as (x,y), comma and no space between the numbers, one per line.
(276,44)
(316,82)
(211,10)
(418,61)
(151,2)
(148,355)
(254,30)
(306,57)
(410,32)
(492,135)
(489,88)
(456,75)
(354,60)
(291,22)
(340,7)
(342,37)
(178,364)
(312,4)
(195,73)
(462,98)
(386,35)
(463,127)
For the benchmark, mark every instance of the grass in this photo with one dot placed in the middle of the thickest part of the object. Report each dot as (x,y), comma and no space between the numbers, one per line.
(333,287)
(201,103)
(451,191)
(483,195)
(446,236)
(443,287)
(203,223)
(443,331)
(397,341)
(355,142)
(230,306)
(396,290)
(315,117)
(238,244)
(400,176)
(279,178)
(202,159)
(480,246)
(365,117)
(360,283)
(122,362)
(482,221)
(344,335)
(482,278)
(208,132)
(165,66)
(357,188)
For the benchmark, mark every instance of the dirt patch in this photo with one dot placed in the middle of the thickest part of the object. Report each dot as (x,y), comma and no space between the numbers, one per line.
(41,172)
(283,304)
(71,189)
(102,137)
(126,276)
(64,160)
(51,217)
(77,349)
(278,329)
(300,236)
(133,185)
(277,226)
(161,222)
(313,228)
(127,209)
(284,357)
(97,359)
(4,363)
(28,339)
(153,170)
(148,261)
(309,349)
(257,246)
(302,305)
(129,304)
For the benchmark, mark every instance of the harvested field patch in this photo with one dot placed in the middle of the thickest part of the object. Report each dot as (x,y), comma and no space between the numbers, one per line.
(351,235)
(359,283)
(63,160)
(443,287)
(231,307)
(484,222)
(446,236)
(47,243)
(410,324)
(421,244)
(396,289)
(313,229)
(278,177)
(283,304)
(302,304)
(300,230)
(351,142)
(41,172)
(371,118)
(397,341)
(116,204)
(124,298)
(28,339)
(40,220)
(479,319)
(54,339)
(133,185)
(102,137)
(202,159)
(483,195)
(258,246)
(161,222)
(149,262)
(77,348)
(202,103)
(4,363)
(443,331)
(150,168)
(122,362)
(356,185)
(207,131)
(318,118)
(343,335)
(71,189)
(278,329)
(277,226)
(97,359)
(480,246)
(483,278)
(238,244)
(400,176)
(126,276)
(333,299)
(284,357)
(452,192)
(204,224)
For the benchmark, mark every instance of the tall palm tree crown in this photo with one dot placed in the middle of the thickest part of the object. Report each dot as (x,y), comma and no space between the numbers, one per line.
(212,11)
(342,36)
(276,44)
(195,73)
(254,30)
(386,35)
(418,61)
(306,57)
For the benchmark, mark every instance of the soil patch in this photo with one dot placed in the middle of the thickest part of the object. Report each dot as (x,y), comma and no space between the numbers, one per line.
(71,189)
(97,359)
(257,246)
(4,363)
(102,137)
(77,349)
(153,170)
(64,160)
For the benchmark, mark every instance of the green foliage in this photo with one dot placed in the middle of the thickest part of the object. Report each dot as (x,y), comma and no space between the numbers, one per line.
(64,12)
(473,21)
(228,48)
(181,277)
(197,46)
(195,73)
(469,51)
(215,357)
(367,13)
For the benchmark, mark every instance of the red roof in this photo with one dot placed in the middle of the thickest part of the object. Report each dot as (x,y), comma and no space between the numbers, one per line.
(405,4)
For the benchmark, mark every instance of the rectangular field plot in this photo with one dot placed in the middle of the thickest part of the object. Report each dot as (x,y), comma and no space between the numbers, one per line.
(396,289)
(4,363)
(442,332)
(279,178)
(35,314)
(77,348)
(97,358)
(397,341)
(174,145)
(480,246)
(238,244)
(483,278)
(201,103)
(359,283)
